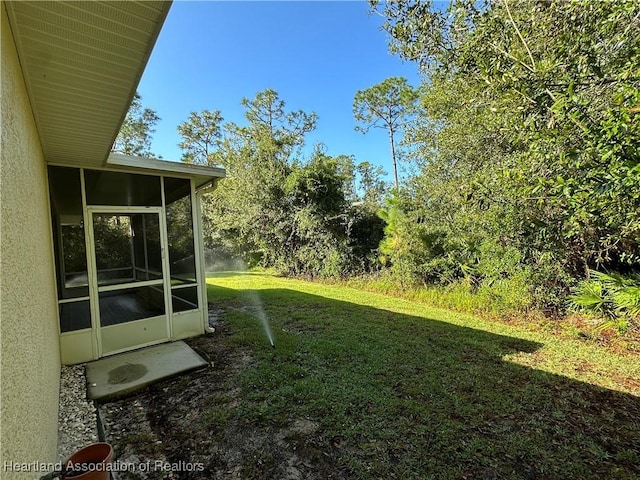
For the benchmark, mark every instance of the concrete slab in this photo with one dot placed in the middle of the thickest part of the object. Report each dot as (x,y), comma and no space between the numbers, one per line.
(124,373)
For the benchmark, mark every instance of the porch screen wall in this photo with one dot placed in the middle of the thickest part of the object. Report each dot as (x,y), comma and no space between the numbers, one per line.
(127,246)
(70,250)
(184,287)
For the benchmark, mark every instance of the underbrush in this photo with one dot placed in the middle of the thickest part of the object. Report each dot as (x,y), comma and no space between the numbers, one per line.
(496,298)
(613,300)
(508,300)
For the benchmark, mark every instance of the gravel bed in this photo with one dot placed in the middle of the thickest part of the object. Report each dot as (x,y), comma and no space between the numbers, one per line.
(77,425)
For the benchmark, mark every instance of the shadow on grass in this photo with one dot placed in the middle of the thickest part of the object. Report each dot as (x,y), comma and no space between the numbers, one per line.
(388,395)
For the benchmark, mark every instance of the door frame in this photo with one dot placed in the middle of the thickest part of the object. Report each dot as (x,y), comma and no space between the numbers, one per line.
(94,289)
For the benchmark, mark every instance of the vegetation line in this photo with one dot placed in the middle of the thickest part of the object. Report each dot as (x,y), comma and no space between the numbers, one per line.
(521,190)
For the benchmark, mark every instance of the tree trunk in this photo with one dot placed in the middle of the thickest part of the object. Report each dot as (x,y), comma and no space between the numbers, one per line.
(393,158)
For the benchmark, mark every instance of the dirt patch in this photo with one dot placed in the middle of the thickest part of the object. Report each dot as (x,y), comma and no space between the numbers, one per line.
(189,427)
(136,444)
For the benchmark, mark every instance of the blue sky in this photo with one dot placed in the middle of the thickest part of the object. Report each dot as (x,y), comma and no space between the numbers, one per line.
(316,55)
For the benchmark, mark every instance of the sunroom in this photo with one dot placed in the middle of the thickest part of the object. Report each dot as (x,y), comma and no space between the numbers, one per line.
(129,256)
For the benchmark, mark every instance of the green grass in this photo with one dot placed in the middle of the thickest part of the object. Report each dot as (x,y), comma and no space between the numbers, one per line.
(402,390)
(504,296)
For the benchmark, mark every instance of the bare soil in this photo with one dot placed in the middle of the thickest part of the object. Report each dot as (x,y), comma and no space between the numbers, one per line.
(179,428)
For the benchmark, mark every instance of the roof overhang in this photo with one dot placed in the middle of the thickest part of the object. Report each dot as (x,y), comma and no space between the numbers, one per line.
(202,175)
(82,62)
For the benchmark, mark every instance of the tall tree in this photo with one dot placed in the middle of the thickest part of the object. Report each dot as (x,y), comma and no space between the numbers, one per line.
(136,132)
(386,105)
(276,131)
(201,135)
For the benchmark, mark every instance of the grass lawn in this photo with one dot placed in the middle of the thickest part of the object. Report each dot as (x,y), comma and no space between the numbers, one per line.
(395,389)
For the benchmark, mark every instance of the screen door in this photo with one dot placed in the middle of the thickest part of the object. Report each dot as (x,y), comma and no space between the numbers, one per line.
(129,278)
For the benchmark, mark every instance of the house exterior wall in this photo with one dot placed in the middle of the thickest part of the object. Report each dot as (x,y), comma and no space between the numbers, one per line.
(29,352)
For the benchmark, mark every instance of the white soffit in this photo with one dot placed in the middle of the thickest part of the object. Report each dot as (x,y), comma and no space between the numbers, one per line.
(82,61)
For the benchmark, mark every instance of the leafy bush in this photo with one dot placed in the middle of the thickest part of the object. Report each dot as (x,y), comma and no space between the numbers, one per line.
(508,294)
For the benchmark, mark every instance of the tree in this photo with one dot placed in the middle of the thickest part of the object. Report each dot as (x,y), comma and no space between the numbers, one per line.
(371,186)
(386,105)
(249,213)
(528,134)
(278,209)
(201,135)
(136,132)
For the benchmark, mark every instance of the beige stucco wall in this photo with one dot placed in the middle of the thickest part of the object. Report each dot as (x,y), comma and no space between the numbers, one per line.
(29,352)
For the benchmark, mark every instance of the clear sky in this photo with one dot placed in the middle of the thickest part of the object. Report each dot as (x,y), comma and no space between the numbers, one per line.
(316,55)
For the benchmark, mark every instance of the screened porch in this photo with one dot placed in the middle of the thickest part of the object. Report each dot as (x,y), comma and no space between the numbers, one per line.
(129,261)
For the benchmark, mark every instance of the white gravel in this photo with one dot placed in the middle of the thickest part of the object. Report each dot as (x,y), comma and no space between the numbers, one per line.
(77,425)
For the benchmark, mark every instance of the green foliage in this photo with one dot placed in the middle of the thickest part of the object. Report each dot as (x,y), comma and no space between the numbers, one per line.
(278,210)
(611,297)
(201,135)
(365,231)
(113,250)
(246,214)
(527,139)
(372,188)
(180,234)
(387,105)
(73,246)
(134,137)
(317,241)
